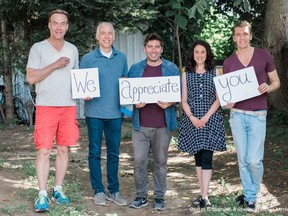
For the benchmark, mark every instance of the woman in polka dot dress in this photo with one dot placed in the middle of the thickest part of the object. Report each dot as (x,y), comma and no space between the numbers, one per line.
(201,128)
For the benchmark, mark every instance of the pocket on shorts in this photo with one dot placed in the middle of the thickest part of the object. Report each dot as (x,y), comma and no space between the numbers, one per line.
(77,132)
(42,137)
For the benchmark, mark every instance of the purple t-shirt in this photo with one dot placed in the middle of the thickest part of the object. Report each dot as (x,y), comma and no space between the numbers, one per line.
(151,115)
(263,64)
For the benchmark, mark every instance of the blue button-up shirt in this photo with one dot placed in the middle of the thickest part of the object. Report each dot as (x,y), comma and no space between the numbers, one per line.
(107,106)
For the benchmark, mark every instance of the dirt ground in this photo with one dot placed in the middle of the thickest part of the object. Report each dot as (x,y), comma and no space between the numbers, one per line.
(16,148)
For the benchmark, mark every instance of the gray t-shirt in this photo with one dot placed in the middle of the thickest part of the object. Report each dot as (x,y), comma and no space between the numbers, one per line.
(54,90)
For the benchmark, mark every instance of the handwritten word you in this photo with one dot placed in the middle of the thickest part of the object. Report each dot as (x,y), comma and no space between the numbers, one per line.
(135,92)
(231,82)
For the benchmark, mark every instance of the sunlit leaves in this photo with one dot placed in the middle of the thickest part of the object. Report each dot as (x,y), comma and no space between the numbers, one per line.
(200,6)
(216,29)
(246,4)
(237,3)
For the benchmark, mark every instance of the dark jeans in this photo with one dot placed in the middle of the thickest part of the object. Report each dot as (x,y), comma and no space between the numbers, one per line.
(112,132)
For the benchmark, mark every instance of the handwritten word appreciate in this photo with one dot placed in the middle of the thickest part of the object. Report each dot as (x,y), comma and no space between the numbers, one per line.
(149,90)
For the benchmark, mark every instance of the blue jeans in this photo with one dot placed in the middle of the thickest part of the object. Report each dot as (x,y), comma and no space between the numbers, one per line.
(157,140)
(249,132)
(112,132)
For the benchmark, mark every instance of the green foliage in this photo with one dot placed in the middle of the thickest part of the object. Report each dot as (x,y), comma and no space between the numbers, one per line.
(237,3)
(174,141)
(27,22)
(57,210)
(181,21)
(252,11)
(199,7)
(216,29)
(246,4)
(17,209)
(2,161)
(75,194)
(127,135)
(27,194)
(278,118)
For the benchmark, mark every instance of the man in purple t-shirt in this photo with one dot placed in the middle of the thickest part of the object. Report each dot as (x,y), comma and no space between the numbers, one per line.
(248,117)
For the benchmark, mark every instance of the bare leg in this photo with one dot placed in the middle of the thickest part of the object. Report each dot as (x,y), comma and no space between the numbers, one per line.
(199,175)
(42,167)
(206,178)
(61,163)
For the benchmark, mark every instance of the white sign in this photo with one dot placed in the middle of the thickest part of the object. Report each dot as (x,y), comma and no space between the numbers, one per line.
(237,86)
(85,83)
(150,89)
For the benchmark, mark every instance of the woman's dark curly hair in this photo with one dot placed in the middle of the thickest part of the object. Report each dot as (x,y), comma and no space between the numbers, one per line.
(191,63)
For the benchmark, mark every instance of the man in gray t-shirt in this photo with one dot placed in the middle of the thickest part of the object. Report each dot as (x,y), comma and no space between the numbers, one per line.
(49,65)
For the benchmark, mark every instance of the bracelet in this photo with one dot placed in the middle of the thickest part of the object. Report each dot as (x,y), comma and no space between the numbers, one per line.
(190,115)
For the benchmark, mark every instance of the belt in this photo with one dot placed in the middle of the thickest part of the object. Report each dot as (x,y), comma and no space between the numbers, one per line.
(254,113)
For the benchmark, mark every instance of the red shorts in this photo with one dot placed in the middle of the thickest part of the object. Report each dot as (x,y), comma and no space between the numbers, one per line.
(55,122)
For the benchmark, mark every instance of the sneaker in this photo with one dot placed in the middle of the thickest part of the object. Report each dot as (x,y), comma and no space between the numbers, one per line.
(158,204)
(251,205)
(196,202)
(99,199)
(42,203)
(240,200)
(116,198)
(205,203)
(139,202)
(60,197)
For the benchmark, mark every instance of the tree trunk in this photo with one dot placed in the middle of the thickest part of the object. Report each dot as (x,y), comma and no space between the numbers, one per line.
(179,47)
(276,41)
(7,73)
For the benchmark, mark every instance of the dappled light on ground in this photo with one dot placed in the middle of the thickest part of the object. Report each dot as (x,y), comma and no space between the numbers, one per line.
(18,183)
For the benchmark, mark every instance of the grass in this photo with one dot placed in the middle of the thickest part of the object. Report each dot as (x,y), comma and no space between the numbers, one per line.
(127,133)
(2,161)
(75,194)
(2,126)
(28,170)
(11,210)
(277,136)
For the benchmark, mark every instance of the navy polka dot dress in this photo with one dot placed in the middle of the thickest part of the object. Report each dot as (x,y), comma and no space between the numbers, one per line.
(201,95)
